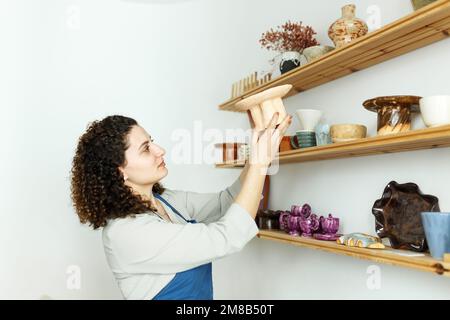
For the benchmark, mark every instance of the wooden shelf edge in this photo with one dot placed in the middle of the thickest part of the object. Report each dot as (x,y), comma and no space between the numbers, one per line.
(387,256)
(427,138)
(408,24)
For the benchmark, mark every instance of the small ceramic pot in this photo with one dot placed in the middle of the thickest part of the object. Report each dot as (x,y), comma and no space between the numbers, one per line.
(291,60)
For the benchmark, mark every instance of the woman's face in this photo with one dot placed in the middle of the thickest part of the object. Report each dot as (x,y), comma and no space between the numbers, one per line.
(144,161)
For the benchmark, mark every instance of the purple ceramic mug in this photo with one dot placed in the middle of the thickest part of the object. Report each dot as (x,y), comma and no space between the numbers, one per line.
(305,212)
(309,225)
(294,225)
(284,216)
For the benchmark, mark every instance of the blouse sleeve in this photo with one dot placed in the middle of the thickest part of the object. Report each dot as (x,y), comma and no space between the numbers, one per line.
(151,245)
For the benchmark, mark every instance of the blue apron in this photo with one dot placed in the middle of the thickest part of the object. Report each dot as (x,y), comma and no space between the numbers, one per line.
(192,284)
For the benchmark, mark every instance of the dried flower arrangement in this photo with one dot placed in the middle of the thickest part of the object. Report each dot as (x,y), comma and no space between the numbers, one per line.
(291,36)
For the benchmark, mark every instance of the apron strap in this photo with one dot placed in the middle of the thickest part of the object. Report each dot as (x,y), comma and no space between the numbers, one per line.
(172,208)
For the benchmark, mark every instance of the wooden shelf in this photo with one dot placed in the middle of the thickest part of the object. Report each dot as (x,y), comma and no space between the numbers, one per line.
(414,140)
(402,258)
(421,28)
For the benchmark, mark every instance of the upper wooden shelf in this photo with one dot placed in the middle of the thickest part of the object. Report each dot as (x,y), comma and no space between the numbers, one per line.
(413,140)
(403,258)
(421,28)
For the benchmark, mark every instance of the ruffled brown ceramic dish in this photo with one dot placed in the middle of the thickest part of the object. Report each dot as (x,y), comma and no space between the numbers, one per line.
(398,215)
(394,112)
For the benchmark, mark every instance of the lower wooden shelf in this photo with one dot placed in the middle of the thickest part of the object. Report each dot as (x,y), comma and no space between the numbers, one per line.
(420,139)
(402,258)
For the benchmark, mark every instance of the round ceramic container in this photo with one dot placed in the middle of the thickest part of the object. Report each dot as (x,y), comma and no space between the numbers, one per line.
(435,110)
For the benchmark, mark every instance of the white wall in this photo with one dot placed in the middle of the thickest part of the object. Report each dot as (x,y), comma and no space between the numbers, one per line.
(67,62)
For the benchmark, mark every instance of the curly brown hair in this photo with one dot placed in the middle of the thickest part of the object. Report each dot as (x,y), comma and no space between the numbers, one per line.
(98,190)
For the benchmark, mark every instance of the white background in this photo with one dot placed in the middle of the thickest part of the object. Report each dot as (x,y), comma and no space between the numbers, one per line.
(64,63)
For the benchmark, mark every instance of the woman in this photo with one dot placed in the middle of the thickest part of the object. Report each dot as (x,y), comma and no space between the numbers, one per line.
(159,243)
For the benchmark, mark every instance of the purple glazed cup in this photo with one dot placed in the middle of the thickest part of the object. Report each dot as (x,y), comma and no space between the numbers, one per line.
(309,225)
(305,212)
(284,217)
(295,210)
(294,225)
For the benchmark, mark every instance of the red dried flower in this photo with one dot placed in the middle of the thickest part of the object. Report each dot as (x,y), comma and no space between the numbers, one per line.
(291,36)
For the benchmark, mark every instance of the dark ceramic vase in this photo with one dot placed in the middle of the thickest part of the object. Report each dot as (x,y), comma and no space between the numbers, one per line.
(291,60)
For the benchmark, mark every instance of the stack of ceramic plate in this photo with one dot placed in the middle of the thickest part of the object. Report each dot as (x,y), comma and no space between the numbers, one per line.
(306,138)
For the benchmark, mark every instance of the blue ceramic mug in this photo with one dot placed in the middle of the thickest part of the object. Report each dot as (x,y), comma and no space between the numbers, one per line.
(437,232)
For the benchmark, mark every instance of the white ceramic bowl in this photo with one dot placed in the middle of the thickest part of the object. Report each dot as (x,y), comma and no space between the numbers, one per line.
(309,118)
(435,110)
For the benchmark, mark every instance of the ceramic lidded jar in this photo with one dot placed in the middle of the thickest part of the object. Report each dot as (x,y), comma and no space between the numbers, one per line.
(329,225)
(347,28)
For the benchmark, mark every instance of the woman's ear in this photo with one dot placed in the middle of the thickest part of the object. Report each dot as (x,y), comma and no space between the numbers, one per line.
(125,176)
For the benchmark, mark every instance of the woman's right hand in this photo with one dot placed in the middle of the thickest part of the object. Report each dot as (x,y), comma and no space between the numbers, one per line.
(265,143)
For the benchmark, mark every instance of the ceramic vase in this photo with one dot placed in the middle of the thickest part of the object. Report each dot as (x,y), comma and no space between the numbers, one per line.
(347,28)
(291,60)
